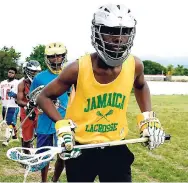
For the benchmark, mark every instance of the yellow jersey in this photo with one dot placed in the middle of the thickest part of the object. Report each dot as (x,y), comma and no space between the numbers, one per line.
(99,110)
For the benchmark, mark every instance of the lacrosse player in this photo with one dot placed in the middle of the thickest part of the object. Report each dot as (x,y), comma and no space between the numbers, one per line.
(103,82)
(31,68)
(55,57)
(9,108)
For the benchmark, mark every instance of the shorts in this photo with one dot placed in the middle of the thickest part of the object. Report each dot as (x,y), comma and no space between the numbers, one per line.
(46,140)
(28,130)
(11,116)
(111,164)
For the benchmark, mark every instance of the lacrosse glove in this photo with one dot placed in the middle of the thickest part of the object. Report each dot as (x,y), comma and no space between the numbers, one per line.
(65,134)
(28,108)
(150,127)
(32,104)
(12,94)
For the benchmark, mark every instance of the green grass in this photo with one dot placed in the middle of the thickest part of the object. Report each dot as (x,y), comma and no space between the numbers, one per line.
(168,163)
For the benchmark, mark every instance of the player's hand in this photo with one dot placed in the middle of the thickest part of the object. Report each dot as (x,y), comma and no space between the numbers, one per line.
(72,154)
(28,108)
(32,116)
(32,104)
(65,134)
(150,127)
(11,94)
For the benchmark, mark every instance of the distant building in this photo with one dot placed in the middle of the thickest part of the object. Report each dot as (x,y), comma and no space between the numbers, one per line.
(155,77)
(166,78)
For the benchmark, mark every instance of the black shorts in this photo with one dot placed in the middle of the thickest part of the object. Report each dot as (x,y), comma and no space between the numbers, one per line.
(111,164)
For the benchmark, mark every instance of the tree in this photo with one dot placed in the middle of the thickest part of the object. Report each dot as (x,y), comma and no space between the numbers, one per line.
(8,58)
(38,54)
(186,71)
(179,70)
(151,67)
(20,72)
(170,69)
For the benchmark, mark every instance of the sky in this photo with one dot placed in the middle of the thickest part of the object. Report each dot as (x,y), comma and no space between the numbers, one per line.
(162,26)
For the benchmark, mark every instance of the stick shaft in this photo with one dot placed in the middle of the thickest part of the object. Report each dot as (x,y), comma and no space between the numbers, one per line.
(62,107)
(115,143)
(108,144)
(22,123)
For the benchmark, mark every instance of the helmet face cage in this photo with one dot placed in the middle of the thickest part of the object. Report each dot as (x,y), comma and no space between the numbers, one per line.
(113,32)
(31,69)
(30,73)
(110,56)
(56,66)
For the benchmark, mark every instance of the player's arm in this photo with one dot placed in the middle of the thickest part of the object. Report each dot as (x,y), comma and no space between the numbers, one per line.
(64,127)
(141,89)
(148,123)
(13,91)
(56,88)
(20,95)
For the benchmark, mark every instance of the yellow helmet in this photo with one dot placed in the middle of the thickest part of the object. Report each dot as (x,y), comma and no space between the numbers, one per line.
(55,50)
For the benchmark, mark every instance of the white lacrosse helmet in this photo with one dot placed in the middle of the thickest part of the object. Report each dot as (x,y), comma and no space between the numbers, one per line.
(31,68)
(113,20)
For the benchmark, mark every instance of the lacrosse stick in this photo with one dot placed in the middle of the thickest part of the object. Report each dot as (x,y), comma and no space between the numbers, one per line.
(39,157)
(22,123)
(37,160)
(4,120)
(4,127)
(9,137)
(33,97)
(58,105)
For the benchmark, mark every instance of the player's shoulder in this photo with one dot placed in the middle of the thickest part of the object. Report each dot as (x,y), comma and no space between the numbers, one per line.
(21,83)
(16,80)
(23,80)
(139,66)
(137,59)
(71,68)
(42,74)
(4,81)
(20,80)
(68,63)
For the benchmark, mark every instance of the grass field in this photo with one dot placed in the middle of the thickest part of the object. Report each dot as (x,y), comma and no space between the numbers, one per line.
(168,163)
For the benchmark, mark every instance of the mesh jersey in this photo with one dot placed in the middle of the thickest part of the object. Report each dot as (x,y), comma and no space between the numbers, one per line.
(99,110)
(5,87)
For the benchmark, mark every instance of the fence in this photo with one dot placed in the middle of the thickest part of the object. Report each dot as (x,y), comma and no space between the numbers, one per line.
(168,88)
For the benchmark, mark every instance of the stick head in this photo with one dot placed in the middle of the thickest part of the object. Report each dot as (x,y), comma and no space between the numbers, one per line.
(33,161)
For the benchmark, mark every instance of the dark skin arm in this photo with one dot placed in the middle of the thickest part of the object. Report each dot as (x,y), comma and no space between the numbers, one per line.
(141,88)
(20,95)
(57,87)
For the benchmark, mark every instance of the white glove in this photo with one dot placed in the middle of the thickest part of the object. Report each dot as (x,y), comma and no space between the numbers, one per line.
(150,127)
(65,134)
